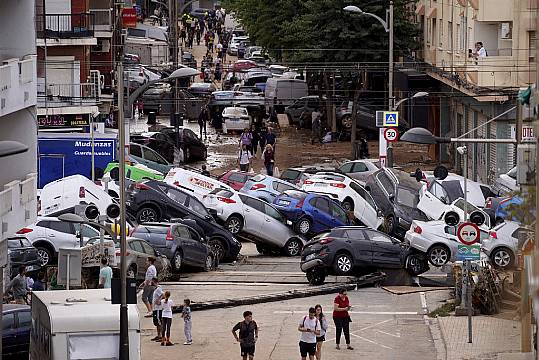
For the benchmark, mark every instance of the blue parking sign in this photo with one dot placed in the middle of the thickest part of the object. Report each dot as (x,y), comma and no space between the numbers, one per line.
(391,118)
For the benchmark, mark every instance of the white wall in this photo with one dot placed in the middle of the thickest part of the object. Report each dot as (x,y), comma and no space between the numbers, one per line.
(487,33)
(17,28)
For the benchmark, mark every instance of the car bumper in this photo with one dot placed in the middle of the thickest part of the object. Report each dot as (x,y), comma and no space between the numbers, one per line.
(416,241)
(307,265)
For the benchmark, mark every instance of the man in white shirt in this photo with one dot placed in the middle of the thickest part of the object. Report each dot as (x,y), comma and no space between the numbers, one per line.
(157,313)
(309,326)
(147,287)
(480,51)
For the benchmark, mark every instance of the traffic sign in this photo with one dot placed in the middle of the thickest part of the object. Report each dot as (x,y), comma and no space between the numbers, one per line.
(391,134)
(391,118)
(468,252)
(468,233)
(527,133)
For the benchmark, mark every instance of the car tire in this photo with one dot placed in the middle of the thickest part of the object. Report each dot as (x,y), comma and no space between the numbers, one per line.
(147,214)
(502,258)
(234,224)
(45,256)
(177,261)
(262,250)
(218,248)
(293,247)
(303,226)
(132,271)
(346,122)
(348,204)
(438,255)
(343,264)
(416,264)
(316,276)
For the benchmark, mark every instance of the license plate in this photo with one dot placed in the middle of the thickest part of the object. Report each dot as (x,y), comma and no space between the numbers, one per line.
(31,268)
(310,257)
(234,119)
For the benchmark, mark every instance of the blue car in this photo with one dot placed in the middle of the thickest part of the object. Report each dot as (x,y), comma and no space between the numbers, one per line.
(17,322)
(310,213)
(266,188)
(497,208)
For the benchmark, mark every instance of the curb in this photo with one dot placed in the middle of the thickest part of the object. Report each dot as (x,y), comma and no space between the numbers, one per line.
(291,294)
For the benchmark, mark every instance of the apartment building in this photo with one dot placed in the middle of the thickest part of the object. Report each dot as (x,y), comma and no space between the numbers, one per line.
(69,89)
(18,88)
(474,88)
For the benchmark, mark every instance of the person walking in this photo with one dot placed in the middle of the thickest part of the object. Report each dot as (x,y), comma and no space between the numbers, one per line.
(203,118)
(269,159)
(248,335)
(157,313)
(323,329)
(263,132)
(18,286)
(255,138)
(147,287)
(244,158)
(309,327)
(187,324)
(167,305)
(246,138)
(271,138)
(105,274)
(341,318)
(316,116)
(39,285)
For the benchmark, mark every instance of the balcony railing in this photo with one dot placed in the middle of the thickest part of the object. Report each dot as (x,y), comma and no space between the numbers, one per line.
(17,84)
(102,19)
(65,26)
(59,95)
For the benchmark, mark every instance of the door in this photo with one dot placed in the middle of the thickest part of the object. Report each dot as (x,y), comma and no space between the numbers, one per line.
(175,203)
(23,326)
(9,333)
(155,161)
(274,227)
(199,249)
(369,214)
(385,253)
(360,245)
(253,210)
(51,168)
(137,254)
(434,200)
(321,214)
(62,234)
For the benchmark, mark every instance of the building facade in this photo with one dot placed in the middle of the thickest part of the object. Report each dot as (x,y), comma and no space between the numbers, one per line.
(18,89)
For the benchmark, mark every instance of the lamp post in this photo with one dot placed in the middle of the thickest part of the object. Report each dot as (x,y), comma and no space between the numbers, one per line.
(388,27)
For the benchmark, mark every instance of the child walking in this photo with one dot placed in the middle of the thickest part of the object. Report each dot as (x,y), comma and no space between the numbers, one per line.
(186,315)
(167,305)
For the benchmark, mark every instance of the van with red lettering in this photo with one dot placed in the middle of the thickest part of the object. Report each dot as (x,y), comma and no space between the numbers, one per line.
(193,182)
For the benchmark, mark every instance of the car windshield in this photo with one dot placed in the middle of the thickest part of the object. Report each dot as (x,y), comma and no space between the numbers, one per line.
(235,112)
(407,197)
(298,195)
(258,178)
(290,174)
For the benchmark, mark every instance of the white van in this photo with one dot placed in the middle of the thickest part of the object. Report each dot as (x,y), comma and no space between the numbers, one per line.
(62,195)
(283,92)
(80,324)
(193,183)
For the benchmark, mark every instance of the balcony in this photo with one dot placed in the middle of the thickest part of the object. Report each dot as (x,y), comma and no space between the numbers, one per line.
(18,206)
(102,19)
(65,26)
(494,10)
(18,82)
(62,95)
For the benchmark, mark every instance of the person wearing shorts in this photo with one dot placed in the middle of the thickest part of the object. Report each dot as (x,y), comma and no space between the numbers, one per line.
(147,287)
(248,335)
(157,311)
(309,326)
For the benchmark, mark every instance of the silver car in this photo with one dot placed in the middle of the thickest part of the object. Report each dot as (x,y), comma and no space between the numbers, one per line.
(506,238)
(437,239)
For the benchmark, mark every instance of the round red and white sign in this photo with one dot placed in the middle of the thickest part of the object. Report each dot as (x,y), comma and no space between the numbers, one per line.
(468,233)
(391,134)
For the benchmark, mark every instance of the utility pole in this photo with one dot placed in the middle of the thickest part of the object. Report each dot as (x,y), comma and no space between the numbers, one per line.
(173,54)
(390,81)
(119,57)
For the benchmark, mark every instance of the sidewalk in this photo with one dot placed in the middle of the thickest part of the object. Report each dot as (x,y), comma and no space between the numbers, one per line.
(493,338)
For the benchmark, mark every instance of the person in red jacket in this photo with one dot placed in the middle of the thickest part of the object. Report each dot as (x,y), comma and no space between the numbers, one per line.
(341,318)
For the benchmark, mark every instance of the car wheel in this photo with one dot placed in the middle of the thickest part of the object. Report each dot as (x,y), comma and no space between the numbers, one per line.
(348,205)
(218,248)
(343,264)
(234,224)
(316,276)
(177,261)
(346,122)
(147,214)
(262,250)
(416,264)
(303,226)
(44,255)
(438,255)
(132,271)
(502,258)
(293,247)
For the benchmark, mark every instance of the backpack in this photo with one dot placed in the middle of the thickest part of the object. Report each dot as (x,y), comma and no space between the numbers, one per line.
(314,325)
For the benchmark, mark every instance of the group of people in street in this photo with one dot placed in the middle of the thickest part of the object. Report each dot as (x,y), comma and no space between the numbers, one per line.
(249,141)
(159,305)
(313,328)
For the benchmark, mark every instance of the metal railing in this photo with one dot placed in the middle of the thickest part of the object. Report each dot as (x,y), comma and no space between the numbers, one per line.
(65,26)
(73,94)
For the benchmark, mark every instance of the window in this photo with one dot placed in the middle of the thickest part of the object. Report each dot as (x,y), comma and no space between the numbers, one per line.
(531,45)
(282,187)
(290,175)
(25,319)
(378,237)
(135,150)
(237,177)
(150,155)
(355,234)
(451,230)
(338,213)
(86,231)
(13,243)
(153,229)
(360,167)
(270,211)
(434,33)
(147,248)
(407,197)
(450,34)
(135,246)
(312,103)
(346,168)
(386,183)
(177,196)
(197,207)
(253,203)
(8,321)
(194,235)
(182,231)
(439,192)
(61,226)
(459,39)
(321,204)
(363,193)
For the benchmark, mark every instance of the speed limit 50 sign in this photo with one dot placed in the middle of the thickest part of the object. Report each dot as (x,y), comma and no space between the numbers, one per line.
(391,134)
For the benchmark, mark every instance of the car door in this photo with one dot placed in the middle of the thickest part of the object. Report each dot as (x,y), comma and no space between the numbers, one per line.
(253,210)
(360,245)
(321,213)
(176,202)
(136,153)
(434,201)
(155,161)
(369,214)
(9,333)
(137,254)
(200,250)
(62,234)
(274,228)
(23,323)
(385,253)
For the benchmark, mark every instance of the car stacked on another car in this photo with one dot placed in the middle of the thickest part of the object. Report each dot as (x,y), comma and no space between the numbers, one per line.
(297,175)
(236,179)
(266,188)
(505,241)
(311,213)
(193,148)
(360,169)
(21,252)
(255,219)
(351,250)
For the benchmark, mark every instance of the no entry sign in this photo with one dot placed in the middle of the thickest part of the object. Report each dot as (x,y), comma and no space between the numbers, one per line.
(468,233)
(391,134)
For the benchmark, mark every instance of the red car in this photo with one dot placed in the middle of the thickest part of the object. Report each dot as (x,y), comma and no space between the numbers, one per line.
(235,178)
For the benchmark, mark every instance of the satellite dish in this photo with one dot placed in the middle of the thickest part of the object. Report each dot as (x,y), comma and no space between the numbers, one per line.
(477,217)
(440,172)
(451,218)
